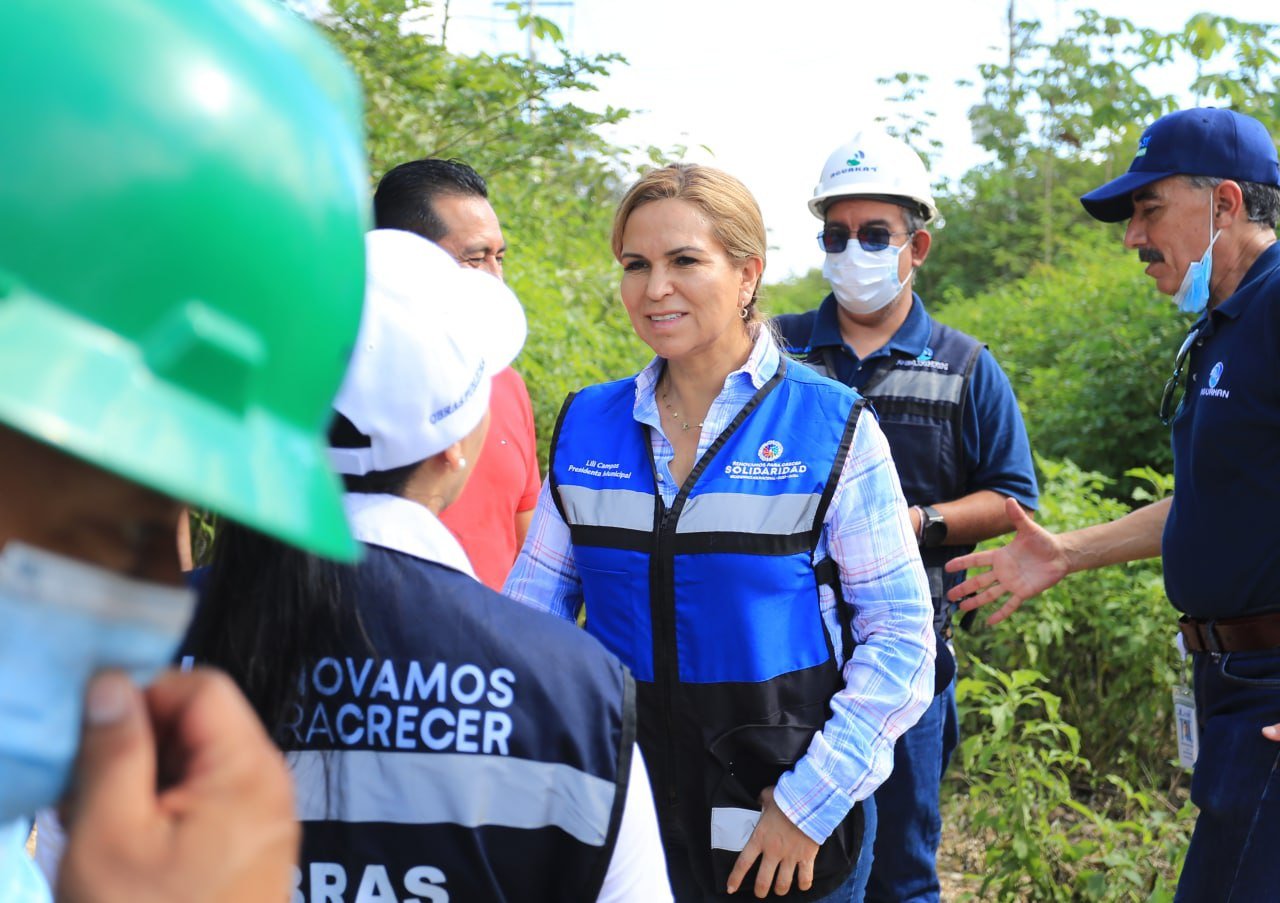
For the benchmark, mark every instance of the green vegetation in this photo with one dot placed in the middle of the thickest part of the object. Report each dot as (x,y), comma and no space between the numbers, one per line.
(1087,344)
(1061,117)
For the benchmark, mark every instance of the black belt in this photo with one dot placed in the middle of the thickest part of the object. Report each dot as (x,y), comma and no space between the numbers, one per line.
(1251,633)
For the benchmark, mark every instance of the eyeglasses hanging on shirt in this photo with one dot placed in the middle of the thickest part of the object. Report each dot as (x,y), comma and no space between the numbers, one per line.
(1167,406)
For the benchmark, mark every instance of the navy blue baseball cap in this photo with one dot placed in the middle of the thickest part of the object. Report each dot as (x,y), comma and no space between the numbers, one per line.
(1199,142)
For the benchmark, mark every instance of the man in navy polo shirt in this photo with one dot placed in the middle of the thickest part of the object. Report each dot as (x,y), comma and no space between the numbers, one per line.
(1202,197)
(953,426)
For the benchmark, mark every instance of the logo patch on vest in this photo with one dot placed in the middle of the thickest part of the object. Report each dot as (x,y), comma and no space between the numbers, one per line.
(770,451)
(766,470)
(594,468)
(922,363)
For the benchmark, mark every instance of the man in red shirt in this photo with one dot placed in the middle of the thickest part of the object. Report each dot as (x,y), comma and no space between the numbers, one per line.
(447,202)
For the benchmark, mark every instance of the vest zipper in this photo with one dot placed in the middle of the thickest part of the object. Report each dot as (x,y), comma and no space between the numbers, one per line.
(662,611)
(662,590)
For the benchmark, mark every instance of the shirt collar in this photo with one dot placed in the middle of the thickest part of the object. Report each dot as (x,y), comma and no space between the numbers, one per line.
(1266,262)
(911,338)
(761,365)
(398,524)
(826,325)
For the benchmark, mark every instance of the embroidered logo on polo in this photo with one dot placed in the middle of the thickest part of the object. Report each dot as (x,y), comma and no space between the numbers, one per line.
(594,468)
(1215,377)
(770,451)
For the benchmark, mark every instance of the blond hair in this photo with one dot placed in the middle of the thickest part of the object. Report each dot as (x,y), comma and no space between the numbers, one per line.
(730,210)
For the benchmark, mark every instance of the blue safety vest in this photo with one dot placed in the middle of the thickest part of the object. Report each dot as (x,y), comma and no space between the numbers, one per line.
(468,748)
(920,403)
(713,603)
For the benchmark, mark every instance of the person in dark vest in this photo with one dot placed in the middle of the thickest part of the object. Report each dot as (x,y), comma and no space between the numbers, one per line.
(952,423)
(447,743)
(732,525)
(1202,199)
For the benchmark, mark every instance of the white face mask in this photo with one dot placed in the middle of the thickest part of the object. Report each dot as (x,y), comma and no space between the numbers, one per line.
(864,281)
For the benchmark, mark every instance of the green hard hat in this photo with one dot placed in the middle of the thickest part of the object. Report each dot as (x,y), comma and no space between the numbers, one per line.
(183,200)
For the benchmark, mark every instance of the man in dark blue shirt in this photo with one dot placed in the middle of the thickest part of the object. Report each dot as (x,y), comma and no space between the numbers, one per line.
(953,426)
(1202,197)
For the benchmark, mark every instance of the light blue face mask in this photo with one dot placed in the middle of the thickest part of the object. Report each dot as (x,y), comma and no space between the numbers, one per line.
(1192,295)
(864,281)
(63,620)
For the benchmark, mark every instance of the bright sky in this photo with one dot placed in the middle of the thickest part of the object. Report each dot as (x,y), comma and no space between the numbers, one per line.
(766,89)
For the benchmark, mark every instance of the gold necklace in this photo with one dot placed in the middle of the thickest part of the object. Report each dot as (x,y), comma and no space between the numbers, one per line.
(684,424)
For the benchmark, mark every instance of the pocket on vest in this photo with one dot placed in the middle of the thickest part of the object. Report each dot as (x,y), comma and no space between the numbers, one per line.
(747,759)
(917,456)
(617,607)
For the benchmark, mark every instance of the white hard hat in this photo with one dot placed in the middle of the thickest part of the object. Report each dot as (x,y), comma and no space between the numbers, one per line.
(432,336)
(874,163)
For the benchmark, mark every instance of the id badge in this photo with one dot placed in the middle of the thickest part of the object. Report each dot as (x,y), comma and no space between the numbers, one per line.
(1184,721)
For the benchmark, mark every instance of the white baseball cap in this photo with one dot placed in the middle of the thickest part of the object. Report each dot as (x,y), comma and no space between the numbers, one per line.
(432,336)
(875,164)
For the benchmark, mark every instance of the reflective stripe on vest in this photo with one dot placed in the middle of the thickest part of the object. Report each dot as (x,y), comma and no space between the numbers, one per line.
(459,788)
(724,512)
(621,508)
(925,384)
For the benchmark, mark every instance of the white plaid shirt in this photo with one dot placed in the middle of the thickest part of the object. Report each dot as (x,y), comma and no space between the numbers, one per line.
(889,678)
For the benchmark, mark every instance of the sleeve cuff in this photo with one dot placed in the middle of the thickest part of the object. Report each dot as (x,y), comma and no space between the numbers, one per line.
(813,806)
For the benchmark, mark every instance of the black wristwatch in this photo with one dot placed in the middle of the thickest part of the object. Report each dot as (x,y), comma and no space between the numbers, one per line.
(933,527)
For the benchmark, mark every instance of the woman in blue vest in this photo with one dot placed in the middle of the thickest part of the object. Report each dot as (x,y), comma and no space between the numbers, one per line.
(736,534)
(437,755)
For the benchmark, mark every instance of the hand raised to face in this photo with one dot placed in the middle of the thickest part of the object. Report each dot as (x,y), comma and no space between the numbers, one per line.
(179,795)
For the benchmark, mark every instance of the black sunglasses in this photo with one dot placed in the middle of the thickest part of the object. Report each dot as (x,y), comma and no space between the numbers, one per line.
(834,239)
(1167,407)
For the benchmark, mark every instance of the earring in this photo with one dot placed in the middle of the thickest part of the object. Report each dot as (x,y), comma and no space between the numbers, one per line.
(462,464)
(744,312)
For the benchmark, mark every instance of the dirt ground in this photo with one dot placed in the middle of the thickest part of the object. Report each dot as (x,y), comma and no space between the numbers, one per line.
(959,855)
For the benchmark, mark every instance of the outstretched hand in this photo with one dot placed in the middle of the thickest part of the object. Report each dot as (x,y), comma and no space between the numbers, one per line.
(1031,563)
(781,847)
